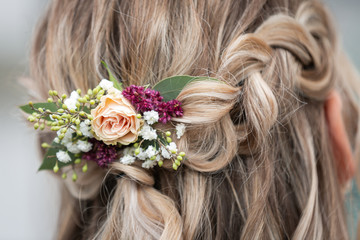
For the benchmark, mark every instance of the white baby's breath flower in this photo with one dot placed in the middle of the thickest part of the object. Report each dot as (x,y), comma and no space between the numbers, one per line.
(149,164)
(127,159)
(63,156)
(68,136)
(129,151)
(151,117)
(172,147)
(84,146)
(151,151)
(86,129)
(180,130)
(72,147)
(148,133)
(165,153)
(71,101)
(142,155)
(106,84)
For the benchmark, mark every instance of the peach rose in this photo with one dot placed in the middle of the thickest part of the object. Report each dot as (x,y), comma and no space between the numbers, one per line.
(115,119)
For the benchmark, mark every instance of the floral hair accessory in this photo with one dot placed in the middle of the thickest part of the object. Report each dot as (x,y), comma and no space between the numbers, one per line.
(110,124)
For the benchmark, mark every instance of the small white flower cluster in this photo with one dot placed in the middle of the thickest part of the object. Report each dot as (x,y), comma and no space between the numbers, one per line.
(180,130)
(106,84)
(151,155)
(158,151)
(85,128)
(63,156)
(74,147)
(151,117)
(160,148)
(148,133)
(71,101)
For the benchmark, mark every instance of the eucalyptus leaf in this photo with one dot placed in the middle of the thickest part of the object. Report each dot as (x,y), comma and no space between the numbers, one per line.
(50,158)
(27,109)
(171,87)
(117,84)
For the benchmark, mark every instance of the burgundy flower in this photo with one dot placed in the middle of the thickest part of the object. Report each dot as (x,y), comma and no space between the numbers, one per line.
(147,99)
(101,153)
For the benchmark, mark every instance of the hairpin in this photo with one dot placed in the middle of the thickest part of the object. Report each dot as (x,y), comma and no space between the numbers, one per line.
(110,124)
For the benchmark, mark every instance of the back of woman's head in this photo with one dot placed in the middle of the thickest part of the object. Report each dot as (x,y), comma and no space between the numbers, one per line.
(259,163)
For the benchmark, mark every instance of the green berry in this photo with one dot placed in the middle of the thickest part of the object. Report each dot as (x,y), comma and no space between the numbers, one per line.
(136,145)
(64,106)
(63,130)
(36,126)
(153,158)
(89,92)
(85,168)
(179,158)
(182,154)
(72,110)
(50,100)
(42,126)
(168,133)
(63,96)
(175,167)
(55,92)
(77,104)
(45,145)
(61,136)
(31,119)
(60,110)
(78,91)
(56,168)
(160,163)
(77,161)
(64,176)
(168,139)
(177,162)
(92,102)
(137,151)
(74,177)
(78,133)
(96,90)
(41,110)
(77,121)
(51,93)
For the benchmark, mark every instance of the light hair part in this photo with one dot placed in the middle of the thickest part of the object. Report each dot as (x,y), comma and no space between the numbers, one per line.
(259,163)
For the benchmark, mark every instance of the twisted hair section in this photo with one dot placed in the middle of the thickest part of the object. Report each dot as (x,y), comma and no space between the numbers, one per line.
(258,163)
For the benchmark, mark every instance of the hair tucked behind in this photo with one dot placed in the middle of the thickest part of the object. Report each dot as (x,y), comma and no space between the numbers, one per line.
(259,163)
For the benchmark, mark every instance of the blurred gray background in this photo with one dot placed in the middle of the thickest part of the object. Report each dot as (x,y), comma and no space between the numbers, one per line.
(29,200)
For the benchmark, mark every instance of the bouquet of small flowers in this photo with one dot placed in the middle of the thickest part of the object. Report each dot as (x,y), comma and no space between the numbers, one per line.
(109,123)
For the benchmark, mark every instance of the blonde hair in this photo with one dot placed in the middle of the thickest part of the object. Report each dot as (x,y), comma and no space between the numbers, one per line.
(259,163)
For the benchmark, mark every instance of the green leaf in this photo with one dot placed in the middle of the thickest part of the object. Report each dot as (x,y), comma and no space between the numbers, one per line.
(171,87)
(117,84)
(51,106)
(50,158)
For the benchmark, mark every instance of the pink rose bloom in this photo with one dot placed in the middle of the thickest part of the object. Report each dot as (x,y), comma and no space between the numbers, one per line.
(115,119)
